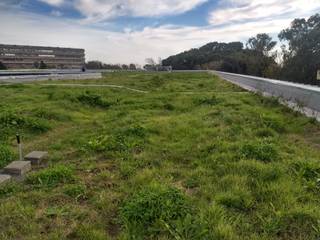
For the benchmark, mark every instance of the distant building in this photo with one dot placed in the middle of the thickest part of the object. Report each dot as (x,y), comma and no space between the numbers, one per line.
(28,57)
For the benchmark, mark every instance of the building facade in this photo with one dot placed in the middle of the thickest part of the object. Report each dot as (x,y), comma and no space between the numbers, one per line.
(29,57)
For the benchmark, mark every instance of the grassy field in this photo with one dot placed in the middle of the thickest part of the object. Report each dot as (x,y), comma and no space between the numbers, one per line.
(194,158)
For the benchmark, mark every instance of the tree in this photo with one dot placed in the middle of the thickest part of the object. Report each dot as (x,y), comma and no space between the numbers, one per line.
(301,59)
(2,66)
(36,65)
(125,67)
(42,65)
(261,43)
(132,66)
(150,61)
(94,65)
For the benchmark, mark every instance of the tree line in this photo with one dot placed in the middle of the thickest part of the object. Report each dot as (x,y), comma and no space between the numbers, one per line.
(100,65)
(297,61)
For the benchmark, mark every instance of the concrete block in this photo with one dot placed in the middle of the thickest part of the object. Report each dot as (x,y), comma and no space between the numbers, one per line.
(18,168)
(4,178)
(36,157)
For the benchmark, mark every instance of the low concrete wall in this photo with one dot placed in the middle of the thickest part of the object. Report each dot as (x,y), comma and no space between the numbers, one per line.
(31,78)
(305,98)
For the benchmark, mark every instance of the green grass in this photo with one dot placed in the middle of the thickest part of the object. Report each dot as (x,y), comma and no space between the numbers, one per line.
(193,158)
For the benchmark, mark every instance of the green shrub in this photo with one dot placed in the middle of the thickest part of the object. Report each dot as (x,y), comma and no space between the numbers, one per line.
(93,100)
(260,150)
(6,156)
(10,119)
(153,206)
(52,176)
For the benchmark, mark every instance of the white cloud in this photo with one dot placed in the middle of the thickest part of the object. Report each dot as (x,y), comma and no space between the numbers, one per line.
(53,2)
(99,10)
(56,13)
(258,10)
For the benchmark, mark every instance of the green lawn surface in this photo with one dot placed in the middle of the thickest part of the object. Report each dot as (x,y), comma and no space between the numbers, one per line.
(193,158)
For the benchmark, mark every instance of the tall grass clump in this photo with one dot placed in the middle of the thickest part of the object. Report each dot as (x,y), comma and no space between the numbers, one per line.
(93,100)
(52,176)
(14,121)
(150,210)
(262,150)
(210,101)
(6,155)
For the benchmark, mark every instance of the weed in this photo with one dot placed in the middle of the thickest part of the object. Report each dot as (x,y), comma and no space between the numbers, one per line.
(6,156)
(275,123)
(51,115)
(56,212)
(191,182)
(136,130)
(145,210)
(52,176)
(207,101)
(93,100)
(16,121)
(309,173)
(120,143)
(239,200)
(168,106)
(260,150)
(21,215)
(77,191)
(9,189)
(87,232)
(294,224)
(265,132)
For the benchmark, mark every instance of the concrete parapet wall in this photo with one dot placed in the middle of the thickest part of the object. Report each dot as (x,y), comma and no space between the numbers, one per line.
(23,79)
(304,97)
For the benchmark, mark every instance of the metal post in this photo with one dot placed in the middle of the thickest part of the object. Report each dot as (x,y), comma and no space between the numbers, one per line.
(19,147)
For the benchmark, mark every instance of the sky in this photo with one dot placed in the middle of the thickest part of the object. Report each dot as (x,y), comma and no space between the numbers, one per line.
(129,31)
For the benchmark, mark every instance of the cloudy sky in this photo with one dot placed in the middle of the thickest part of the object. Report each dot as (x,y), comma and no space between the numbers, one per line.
(125,31)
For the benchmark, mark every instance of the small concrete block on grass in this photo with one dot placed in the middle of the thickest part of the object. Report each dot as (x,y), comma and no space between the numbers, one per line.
(36,157)
(18,168)
(4,178)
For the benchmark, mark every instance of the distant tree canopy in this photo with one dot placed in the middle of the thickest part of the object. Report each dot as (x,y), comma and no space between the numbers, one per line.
(299,63)
(229,57)
(2,66)
(101,65)
(302,58)
(262,43)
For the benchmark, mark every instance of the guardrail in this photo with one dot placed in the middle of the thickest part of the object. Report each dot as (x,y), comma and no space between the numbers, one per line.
(304,98)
